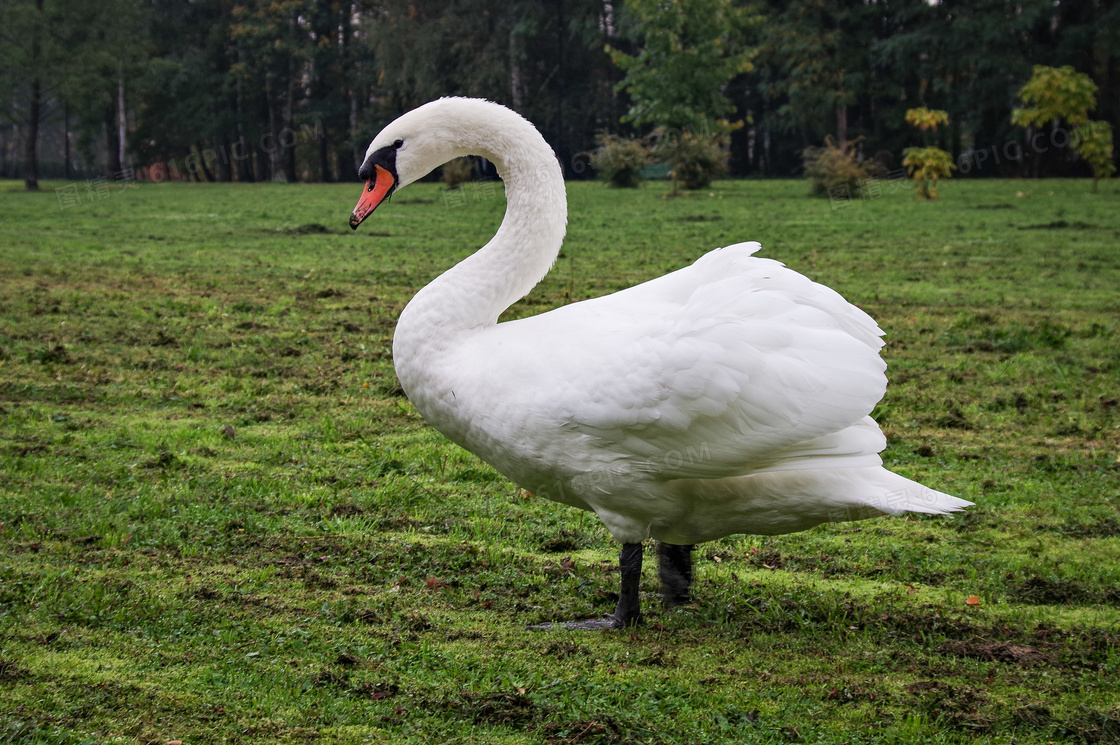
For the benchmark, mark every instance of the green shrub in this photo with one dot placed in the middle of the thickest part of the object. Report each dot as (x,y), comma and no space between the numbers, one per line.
(457,172)
(1093,142)
(696,160)
(926,165)
(925,119)
(834,165)
(619,160)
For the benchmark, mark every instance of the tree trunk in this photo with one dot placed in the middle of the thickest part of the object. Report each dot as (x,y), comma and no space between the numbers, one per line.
(273,148)
(841,126)
(199,150)
(66,141)
(561,85)
(243,157)
(122,125)
(287,134)
(112,140)
(767,170)
(31,153)
(320,62)
(348,166)
(955,140)
(325,161)
(318,93)
(225,167)
(515,69)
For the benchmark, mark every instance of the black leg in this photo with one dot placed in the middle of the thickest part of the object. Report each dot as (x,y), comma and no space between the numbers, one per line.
(676,573)
(628,612)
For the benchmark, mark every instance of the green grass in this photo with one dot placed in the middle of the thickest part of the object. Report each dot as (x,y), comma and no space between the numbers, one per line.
(221,521)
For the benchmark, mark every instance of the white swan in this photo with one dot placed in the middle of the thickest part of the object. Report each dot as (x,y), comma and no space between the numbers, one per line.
(731,396)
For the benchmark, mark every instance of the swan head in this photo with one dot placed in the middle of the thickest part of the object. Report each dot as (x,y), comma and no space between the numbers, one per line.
(413,145)
(379,171)
(425,138)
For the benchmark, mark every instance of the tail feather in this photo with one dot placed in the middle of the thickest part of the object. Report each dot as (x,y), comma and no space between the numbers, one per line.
(774,502)
(899,494)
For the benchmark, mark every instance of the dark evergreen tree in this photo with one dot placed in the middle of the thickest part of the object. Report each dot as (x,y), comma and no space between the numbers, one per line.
(294,89)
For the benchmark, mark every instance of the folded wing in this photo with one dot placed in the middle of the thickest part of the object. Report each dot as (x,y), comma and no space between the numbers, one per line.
(728,366)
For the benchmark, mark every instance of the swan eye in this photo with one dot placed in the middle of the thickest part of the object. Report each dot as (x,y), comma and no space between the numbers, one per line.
(398,144)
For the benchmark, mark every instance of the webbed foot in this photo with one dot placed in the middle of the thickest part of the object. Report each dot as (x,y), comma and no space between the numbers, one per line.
(675,569)
(627,613)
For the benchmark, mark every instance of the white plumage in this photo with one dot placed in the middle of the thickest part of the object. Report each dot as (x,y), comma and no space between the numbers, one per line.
(730,396)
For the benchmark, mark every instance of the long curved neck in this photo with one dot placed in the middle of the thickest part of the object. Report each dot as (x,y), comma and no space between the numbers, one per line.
(471,295)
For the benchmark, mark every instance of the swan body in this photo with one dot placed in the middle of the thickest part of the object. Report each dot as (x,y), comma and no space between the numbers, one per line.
(730,396)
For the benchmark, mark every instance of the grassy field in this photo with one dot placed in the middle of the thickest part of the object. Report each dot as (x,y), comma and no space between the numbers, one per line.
(220,521)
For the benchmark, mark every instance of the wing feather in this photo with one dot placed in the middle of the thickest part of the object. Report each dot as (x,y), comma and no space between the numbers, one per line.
(737,359)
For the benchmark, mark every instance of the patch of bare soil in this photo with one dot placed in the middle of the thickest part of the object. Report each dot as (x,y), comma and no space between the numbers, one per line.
(601,731)
(501,708)
(1039,590)
(956,705)
(995,651)
(11,671)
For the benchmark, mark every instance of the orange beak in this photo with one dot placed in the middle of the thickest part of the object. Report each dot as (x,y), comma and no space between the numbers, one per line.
(377,188)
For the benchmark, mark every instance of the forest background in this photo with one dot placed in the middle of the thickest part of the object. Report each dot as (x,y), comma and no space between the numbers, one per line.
(293,90)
